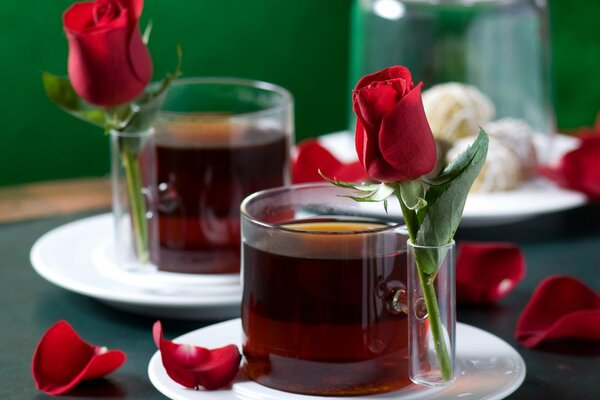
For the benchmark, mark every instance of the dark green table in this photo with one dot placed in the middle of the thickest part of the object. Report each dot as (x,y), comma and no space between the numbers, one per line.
(563,243)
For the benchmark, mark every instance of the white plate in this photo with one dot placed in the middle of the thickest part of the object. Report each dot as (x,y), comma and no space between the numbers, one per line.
(76,257)
(535,197)
(489,369)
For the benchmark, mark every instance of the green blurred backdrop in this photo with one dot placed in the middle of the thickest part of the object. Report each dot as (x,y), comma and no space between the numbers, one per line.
(301,45)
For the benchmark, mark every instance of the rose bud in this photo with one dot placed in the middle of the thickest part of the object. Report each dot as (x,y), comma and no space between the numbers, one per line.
(109,63)
(194,366)
(393,138)
(62,360)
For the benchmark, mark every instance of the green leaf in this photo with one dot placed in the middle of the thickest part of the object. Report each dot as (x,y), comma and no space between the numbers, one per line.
(412,194)
(60,91)
(445,203)
(455,168)
(363,187)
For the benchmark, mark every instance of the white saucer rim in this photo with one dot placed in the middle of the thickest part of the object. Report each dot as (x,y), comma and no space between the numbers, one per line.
(66,282)
(501,394)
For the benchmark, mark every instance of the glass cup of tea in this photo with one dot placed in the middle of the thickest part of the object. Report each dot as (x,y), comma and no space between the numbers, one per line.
(324,293)
(217,141)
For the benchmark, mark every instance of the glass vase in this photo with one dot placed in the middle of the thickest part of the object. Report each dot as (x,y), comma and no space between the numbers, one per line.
(133,187)
(432,314)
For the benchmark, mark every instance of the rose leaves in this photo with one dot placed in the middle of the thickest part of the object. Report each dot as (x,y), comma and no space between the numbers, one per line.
(62,359)
(194,366)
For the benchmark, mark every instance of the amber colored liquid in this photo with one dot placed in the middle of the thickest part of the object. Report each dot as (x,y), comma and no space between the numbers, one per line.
(202,181)
(322,323)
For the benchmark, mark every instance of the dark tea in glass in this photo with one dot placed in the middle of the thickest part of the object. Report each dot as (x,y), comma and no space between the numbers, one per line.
(232,141)
(317,307)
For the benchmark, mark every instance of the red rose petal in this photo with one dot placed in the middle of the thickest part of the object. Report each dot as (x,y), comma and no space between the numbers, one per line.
(385,74)
(62,360)
(108,63)
(579,169)
(560,307)
(405,139)
(312,157)
(194,366)
(373,103)
(360,142)
(486,272)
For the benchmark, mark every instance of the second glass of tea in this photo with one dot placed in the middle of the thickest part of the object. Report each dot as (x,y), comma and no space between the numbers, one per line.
(324,294)
(217,141)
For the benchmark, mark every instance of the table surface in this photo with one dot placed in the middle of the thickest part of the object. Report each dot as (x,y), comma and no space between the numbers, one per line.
(562,243)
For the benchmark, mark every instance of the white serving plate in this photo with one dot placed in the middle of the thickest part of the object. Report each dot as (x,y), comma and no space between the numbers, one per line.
(533,198)
(77,257)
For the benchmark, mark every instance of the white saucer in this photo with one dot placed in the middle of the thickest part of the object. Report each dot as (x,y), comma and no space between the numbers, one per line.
(535,197)
(76,257)
(490,369)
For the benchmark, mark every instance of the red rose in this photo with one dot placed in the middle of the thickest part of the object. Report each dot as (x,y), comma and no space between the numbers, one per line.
(109,63)
(393,138)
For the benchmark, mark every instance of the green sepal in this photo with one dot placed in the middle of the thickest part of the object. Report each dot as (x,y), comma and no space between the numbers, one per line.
(412,194)
(362,187)
(370,192)
(147,32)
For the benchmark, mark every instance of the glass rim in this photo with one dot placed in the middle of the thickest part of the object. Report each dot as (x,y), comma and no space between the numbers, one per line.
(133,134)
(420,246)
(287,98)
(244,213)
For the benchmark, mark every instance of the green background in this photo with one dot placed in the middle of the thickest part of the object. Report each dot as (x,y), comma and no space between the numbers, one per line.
(302,45)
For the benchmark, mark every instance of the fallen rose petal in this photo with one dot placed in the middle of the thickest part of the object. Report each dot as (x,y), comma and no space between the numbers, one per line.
(312,157)
(486,272)
(194,366)
(62,360)
(578,169)
(560,307)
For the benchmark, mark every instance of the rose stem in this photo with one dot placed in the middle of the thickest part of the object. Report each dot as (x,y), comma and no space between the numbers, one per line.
(433,311)
(136,200)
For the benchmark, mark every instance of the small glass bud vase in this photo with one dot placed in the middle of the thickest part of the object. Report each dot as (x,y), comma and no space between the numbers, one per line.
(133,187)
(432,314)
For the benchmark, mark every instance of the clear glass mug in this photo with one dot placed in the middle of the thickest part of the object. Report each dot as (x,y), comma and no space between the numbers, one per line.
(217,140)
(325,303)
